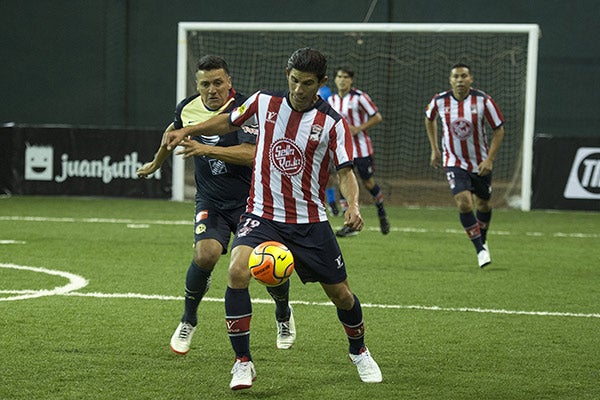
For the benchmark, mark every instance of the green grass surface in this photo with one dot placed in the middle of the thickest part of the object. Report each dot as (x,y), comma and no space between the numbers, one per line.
(526,327)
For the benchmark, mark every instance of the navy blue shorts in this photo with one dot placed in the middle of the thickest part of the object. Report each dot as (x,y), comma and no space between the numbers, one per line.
(461,180)
(213,223)
(364,166)
(317,255)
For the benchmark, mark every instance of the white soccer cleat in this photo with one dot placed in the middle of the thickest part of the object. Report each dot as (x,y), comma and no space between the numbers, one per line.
(368,370)
(243,374)
(286,332)
(182,338)
(483,257)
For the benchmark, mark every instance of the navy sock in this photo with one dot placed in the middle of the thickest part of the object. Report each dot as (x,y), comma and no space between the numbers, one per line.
(378,200)
(238,314)
(483,219)
(352,320)
(469,222)
(281,295)
(197,283)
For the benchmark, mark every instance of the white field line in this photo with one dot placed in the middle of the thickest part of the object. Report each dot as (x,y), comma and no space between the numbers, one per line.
(77,282)
(131,223)
(366,305)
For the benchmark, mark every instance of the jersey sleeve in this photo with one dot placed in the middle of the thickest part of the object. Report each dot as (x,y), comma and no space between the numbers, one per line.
(246,111)
(367,104)
(492,113)
(341,144)
(431,109)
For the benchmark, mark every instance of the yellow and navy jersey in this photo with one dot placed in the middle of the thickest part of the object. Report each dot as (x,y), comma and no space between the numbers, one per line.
(218,184)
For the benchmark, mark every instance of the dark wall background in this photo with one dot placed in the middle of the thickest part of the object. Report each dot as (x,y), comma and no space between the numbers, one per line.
(113,62)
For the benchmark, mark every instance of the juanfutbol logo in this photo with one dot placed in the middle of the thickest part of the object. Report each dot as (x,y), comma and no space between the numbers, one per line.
(461,128)
(287,157)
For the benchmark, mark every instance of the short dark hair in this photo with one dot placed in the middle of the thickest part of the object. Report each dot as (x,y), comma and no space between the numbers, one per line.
(209,63)
(461,65)
(308,60)
(346,70)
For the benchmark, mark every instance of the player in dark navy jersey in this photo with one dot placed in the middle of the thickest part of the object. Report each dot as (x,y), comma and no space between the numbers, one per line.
(222,166)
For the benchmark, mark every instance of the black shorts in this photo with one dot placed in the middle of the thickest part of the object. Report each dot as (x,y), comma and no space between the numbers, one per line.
(317,255)
(365,167)
(214,223)
(461,180)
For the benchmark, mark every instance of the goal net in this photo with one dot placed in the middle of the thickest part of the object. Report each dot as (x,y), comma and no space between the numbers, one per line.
(401,66)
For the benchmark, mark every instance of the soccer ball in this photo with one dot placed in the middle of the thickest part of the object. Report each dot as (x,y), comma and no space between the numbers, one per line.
(271,263)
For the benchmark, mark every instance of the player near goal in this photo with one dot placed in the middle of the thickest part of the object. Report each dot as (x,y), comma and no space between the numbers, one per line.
(467,159)
(222,169)
(361,113)
(298,135)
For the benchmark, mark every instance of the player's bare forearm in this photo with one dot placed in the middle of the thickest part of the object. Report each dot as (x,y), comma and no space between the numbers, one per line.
(159,158)
(487,165)
(435,159)
(371,122)
(242,154)
(349,188)
(217,125)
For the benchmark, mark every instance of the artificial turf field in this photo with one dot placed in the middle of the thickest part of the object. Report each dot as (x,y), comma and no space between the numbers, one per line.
(91,291)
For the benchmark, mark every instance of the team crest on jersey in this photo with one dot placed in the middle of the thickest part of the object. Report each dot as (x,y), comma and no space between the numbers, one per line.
(217,167)
(315,133)
(287,157)
(461,128)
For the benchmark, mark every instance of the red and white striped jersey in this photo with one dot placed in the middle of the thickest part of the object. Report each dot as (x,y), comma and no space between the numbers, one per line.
(293,153)
(464,140)
(356,106)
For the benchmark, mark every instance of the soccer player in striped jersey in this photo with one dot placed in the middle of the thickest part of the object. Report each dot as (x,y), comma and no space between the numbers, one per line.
(362,114)
(298,135)
(467,158)
(222,169)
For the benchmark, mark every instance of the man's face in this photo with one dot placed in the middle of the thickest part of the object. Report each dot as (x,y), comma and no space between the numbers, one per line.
(461,80)
(303,88)
(343,82)
(214,87)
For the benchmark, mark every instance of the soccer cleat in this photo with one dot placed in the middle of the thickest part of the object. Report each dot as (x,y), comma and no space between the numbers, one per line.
(483,257)
(384,224)
(243,374)
(346,232)
(181,339)
(368,370)
(286,332)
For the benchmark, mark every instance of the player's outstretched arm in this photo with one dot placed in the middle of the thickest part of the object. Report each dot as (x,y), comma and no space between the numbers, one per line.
(241,154)
(159,158)
(349,188)
(217,125)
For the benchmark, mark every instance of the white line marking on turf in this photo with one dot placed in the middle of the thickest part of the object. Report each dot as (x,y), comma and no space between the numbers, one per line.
(76,282)
(366,305)
(140,223)
(12,242)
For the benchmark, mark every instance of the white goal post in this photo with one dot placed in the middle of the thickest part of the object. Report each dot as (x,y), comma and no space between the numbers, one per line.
(401,66)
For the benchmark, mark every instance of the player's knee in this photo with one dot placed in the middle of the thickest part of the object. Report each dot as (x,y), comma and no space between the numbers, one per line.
(206,259)
(464,202)
(238,275)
